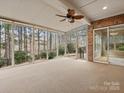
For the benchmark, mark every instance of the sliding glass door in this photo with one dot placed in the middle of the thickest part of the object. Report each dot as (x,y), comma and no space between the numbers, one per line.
(116,45)
(100,45)
(109,45)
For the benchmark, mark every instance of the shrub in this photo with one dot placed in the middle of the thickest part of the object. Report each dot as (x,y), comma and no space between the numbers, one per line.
(2,45)
(71,48)
(61,50)
(121,48)
(1,62)
(37,57)
(52,55)
(43,54)
(28,58)
(21,56)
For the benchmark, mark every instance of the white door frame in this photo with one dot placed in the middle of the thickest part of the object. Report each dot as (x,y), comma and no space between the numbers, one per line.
(107,28)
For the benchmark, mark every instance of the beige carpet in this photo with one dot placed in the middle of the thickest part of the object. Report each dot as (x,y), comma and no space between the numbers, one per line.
(63,75)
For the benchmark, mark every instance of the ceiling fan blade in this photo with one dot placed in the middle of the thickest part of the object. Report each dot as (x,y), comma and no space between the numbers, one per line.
(62,20)
(78,17)
(60,15)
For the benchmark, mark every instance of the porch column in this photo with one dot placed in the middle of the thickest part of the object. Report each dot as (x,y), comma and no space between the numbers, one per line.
(76,45)
(33,57)
(90,43)
(57,45)
(47,52)
(12,45)
(65,46)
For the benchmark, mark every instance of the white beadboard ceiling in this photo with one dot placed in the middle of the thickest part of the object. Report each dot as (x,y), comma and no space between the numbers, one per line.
(93,8)
(41,12)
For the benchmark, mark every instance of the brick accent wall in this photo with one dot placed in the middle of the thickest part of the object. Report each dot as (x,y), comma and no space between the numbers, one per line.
(90,43)
(115,20)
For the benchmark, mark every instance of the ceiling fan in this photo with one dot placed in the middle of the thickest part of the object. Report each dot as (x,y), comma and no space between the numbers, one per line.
(71,16)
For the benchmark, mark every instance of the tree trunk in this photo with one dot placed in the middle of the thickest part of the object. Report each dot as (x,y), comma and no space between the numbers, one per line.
(44,42)
(55,40)
(20,38)
(25,39)
(30,40)
(50,41)
(7,43)
(38,36)
(0,40)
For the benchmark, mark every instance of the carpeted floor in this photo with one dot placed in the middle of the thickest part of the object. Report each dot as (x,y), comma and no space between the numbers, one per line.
(63,75)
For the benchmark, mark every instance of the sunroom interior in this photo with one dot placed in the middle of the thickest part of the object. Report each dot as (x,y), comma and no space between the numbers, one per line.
(84,56)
